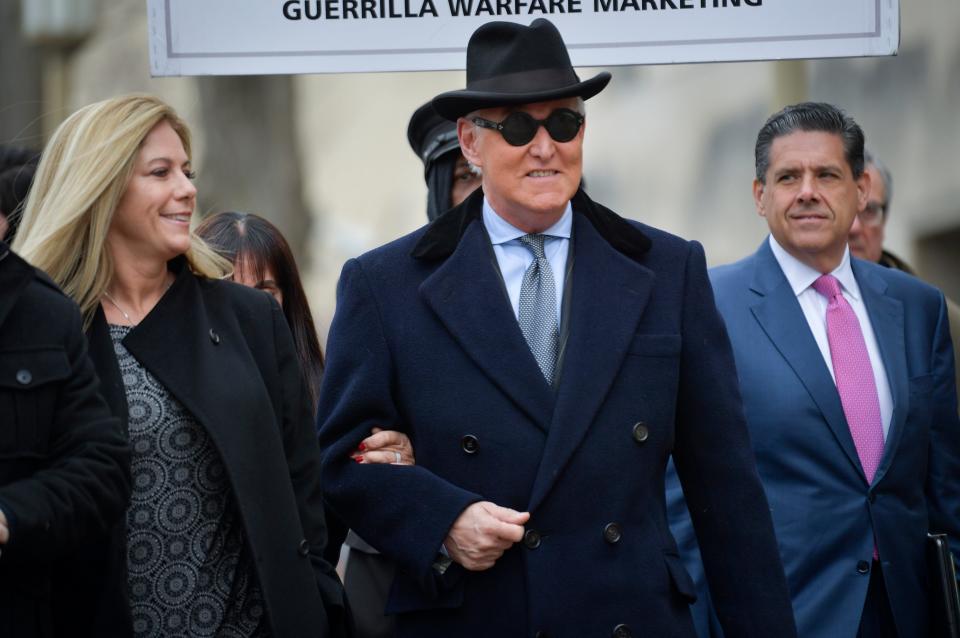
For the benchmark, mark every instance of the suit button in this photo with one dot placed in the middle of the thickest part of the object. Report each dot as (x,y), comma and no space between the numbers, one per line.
(621,631)
(531,538)
(863,567)
(24,377)
(612,533)
(871,497)
(641,432)
(470,444)
(304,548)
(214,337)
(541,634)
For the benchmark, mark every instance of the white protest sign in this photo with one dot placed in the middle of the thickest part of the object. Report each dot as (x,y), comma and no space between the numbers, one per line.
(239,37)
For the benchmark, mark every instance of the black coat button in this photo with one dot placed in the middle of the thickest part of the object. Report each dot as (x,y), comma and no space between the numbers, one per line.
(304,548)
(871,497)
(470,444)
(214,337)
(621,631)
(612,533)
(531,538)
(541,634)
(24,377)
(641,432)
(863,567)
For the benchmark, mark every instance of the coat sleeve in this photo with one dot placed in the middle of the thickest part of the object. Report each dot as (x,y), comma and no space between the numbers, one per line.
(714,460)
(303,461)
(84,486)
(942,486)
(404,511)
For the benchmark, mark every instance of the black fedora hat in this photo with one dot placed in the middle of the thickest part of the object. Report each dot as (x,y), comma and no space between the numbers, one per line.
(509,63)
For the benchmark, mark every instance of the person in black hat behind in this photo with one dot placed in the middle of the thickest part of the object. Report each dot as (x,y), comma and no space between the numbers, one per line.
(546,357)
(449,177)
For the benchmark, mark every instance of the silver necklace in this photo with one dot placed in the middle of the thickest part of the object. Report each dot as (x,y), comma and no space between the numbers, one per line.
(124,312)
(117,306)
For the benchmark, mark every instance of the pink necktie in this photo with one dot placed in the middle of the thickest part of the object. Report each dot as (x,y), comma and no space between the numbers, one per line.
(854,375)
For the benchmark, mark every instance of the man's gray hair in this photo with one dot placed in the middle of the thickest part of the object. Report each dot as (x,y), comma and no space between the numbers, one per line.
(810,116)
(870,159)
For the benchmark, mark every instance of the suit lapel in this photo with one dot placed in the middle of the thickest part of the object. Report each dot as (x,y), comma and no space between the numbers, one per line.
(779,314)
(610,292)
(886,317)
(467,295)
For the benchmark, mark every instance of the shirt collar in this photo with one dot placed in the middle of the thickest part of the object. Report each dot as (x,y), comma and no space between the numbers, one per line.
(501,231)
(800,276)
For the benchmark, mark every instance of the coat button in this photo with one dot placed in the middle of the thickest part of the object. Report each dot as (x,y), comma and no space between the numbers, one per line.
(214,337)
(612,533)
(621,631)
(531,538)
(304,548)
(641,432)
(871,497)
(24,377)
(541,634)
(470,444)
(863,567)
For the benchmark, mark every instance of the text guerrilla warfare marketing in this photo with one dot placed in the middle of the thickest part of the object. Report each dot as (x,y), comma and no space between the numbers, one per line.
(365,9)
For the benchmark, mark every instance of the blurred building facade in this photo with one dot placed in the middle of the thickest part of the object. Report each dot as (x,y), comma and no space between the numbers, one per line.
(326,156)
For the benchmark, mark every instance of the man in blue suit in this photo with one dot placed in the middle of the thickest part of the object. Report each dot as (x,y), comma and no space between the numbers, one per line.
(545,356)
(858,462)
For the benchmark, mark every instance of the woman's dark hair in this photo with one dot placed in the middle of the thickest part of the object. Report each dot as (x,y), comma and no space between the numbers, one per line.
(248,238)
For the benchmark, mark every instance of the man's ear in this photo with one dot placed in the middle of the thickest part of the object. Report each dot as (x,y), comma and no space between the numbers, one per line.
(469,141)
(863,190)
(758,187)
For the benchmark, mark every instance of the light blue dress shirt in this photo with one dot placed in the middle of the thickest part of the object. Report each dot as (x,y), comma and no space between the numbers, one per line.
(814,306)
(514,258)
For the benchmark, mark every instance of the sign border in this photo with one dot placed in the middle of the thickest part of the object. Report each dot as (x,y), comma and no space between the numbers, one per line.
(171,54)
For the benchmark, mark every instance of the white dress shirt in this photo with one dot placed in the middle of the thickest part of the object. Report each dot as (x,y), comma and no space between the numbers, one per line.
(814,306)
(514,258)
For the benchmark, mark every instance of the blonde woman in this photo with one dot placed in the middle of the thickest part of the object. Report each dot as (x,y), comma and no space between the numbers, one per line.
(225,531)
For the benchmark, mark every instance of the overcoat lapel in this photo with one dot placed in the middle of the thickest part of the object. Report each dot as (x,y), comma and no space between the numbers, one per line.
(181,326)
(105,361)
(781,318)
(610,292)
(467,295)
(886,317)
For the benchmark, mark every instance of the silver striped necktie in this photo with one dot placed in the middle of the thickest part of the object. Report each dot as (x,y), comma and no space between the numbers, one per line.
(538,308)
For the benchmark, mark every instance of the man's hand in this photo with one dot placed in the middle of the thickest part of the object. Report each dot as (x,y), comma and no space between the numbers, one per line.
(385,446)
(482,533)
(4,530)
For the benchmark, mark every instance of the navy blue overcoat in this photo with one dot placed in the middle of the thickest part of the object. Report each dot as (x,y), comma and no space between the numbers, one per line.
(424,341)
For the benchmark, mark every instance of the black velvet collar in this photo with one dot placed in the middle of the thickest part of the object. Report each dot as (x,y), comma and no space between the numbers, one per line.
(444,233)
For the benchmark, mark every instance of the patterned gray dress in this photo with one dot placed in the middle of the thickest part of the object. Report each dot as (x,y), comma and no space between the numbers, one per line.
(189,572)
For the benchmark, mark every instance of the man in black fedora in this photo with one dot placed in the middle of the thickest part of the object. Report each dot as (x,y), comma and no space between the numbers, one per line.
(546,357)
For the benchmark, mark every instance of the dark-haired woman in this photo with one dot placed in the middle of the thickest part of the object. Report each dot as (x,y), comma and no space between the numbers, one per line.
(262,259)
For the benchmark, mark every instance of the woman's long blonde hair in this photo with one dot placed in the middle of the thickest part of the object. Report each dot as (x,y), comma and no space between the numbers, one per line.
(81,177)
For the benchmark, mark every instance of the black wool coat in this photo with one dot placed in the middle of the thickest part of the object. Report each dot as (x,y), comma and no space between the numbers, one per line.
(226,353)
(64,462)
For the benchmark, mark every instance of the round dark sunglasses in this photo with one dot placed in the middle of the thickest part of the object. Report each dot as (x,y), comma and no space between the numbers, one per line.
(519,127)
